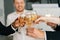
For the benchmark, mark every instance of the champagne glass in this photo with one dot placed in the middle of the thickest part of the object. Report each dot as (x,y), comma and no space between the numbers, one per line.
(30,18)
(21,23)
(21,29)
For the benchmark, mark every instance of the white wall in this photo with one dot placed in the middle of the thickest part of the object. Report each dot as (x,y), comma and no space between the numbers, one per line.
(2,11)
(43,10)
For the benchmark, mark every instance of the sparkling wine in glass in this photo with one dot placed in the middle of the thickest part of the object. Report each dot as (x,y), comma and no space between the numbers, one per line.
(30,18)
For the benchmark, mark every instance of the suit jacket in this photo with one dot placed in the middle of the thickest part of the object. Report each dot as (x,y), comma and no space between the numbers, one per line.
(54,35)
(5,30)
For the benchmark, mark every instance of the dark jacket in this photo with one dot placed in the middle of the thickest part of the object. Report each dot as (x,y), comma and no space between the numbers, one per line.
(54,35)
(5,30)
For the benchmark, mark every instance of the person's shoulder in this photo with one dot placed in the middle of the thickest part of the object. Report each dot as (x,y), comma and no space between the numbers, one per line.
(11,14)
(28,10)
(32,11)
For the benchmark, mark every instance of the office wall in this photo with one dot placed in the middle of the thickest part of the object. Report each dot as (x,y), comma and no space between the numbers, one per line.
(8,6)
(2,11)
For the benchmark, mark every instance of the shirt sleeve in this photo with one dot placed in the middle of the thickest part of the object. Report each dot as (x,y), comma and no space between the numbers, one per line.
(13,28)
(45,35)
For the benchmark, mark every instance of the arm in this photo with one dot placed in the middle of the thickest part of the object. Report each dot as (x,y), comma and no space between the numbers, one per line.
(41,34)
(5,30)
(51,21)
(53,35)
(57,28)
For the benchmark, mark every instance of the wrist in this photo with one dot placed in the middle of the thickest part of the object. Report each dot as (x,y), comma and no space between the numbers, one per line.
(13,28)
(42,34)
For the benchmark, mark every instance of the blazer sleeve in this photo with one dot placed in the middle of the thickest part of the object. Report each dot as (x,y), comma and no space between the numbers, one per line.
(6,30)
(53,35)
(57,28)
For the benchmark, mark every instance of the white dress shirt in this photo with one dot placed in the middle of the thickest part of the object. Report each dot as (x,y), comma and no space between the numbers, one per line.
(11,18)
(45,35)
(22,35)
(14,15)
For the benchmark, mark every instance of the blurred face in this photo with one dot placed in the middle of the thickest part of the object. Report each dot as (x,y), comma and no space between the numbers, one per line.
(19,5)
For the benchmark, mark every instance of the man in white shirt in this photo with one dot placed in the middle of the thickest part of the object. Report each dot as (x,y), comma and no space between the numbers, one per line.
(20,11)
(19,6)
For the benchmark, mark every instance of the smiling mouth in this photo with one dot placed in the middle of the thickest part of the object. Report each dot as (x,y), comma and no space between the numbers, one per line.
(19,6)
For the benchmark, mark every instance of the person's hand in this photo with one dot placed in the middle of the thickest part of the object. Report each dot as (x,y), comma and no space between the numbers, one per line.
(39,20)
(16,23)
(53,25)
(21,21)
(35,33)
